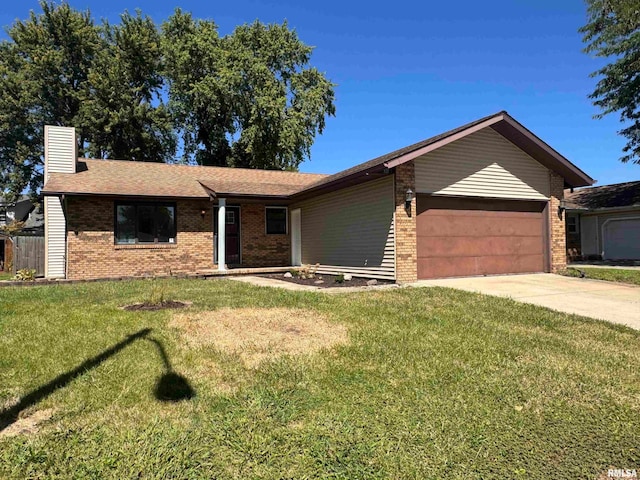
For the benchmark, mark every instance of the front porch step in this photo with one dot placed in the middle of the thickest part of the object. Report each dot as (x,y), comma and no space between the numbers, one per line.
(243,271)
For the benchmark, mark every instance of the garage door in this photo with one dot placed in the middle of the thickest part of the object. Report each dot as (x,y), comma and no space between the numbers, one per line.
(464,237)
(622,239)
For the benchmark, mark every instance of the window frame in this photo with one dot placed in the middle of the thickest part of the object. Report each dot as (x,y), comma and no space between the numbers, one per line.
(576,224)
(286,219)
(137,204)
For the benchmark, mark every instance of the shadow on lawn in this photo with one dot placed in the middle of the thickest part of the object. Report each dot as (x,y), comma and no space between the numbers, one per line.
(171,386)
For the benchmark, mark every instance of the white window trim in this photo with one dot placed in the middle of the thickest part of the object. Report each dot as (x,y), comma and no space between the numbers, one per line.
(286,221)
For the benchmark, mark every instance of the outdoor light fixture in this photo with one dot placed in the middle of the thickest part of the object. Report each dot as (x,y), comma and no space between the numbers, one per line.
(203,212)
(562,206)
(408,198)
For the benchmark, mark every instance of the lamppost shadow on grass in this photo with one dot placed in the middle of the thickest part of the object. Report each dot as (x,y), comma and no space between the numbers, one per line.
(171,386)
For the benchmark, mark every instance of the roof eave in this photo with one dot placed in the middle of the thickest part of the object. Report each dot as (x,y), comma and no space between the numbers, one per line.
(342,182)
(516,133)
(55,193)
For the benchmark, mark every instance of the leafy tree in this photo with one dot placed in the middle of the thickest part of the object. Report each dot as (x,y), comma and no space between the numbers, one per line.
(198,98)
(248,99)
(613,32)
(43,75)
(123,104)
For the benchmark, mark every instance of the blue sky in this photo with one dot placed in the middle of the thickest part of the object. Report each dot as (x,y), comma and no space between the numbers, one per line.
(407,70)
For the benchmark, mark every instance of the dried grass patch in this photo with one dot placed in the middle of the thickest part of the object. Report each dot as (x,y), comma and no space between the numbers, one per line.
(258,334)
(28,425)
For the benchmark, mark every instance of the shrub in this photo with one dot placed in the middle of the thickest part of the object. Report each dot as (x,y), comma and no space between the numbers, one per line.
(26,275)
(340,278)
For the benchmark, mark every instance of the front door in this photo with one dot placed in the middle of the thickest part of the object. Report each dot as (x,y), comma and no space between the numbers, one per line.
(232,234)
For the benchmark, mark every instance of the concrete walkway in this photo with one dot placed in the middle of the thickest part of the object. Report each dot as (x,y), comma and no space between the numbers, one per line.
(614,302)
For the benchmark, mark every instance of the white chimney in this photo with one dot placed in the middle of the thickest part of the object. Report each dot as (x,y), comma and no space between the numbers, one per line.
(60,156)
(60,150)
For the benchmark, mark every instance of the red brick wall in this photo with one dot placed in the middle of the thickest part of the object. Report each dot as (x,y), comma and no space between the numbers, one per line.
(405,225)
(91,252)
(557,224)
(258,248)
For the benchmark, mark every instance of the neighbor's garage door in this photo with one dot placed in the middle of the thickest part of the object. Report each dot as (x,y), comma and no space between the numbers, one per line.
(463,237)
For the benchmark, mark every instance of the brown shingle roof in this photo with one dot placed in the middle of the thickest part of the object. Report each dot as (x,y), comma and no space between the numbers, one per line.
(118,177)
(605,196)
(114,177)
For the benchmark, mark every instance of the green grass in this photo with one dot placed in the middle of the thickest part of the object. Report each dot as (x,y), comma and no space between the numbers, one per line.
(5,276)
(434,383)
(607,274)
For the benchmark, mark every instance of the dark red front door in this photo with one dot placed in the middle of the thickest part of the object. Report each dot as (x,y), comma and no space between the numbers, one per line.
(232,234)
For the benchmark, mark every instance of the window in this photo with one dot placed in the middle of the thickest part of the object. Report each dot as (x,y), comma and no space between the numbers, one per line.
(276,220)
(3,215)
(572,224)
(145,223)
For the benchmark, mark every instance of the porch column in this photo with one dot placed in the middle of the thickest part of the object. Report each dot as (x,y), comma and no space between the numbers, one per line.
(222,222)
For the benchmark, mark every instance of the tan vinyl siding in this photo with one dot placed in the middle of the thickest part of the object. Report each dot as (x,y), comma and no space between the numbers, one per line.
(55,238)
(351,230)
(484,164)
(60,150)
(60,156)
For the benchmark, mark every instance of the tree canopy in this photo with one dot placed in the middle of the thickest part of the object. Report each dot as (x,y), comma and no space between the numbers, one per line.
(141,91)
(613,32)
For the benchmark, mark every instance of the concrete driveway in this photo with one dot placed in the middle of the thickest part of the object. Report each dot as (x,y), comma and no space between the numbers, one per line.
(614,302)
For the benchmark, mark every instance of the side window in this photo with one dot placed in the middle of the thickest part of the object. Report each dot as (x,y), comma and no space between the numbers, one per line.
(573,225)
(276,220)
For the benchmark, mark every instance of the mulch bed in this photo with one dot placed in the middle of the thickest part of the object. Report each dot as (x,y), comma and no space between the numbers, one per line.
(156,306)
(328,281)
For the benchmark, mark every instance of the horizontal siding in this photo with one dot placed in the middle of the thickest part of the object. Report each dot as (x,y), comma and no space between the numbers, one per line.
(351,230)
(60,151)
(55,238)
(484,164)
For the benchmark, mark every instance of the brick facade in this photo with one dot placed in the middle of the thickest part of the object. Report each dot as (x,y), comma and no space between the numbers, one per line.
(405,225)
(92,253)
(557,224)
(259,249)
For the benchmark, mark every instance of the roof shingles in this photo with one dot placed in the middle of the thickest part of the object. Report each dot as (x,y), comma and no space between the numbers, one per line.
(619,195)
(123,178)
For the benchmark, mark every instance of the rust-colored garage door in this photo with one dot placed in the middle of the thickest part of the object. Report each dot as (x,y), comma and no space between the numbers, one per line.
(463,237)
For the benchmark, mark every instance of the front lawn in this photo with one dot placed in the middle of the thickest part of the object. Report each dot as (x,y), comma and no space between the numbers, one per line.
(609,274)
(5,276)
(407,383)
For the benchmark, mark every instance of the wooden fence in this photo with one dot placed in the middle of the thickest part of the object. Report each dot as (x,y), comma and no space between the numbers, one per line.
(28,252)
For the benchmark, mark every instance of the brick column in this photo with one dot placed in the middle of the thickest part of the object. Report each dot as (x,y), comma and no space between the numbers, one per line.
(405,225)
(557,224)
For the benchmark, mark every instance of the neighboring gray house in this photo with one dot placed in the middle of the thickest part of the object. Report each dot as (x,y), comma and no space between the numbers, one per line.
(22,210)
(604,222)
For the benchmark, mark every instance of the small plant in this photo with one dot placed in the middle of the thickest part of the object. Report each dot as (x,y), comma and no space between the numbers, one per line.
(340,278)
(26,275)
(157,294)
(308,271)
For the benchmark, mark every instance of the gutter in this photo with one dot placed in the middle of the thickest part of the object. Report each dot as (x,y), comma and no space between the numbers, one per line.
(629,208)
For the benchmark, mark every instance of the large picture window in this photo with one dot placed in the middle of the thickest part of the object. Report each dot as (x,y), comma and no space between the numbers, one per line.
(145,223)
(276,219)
